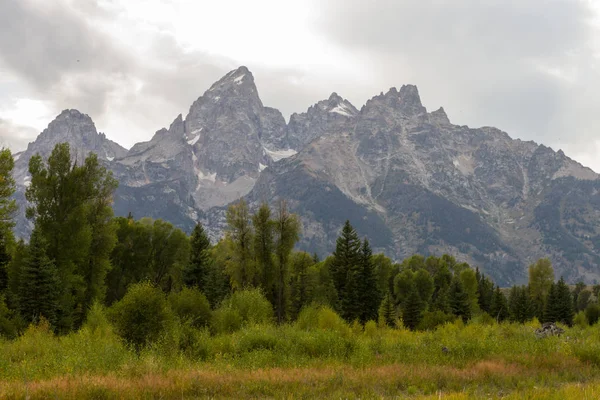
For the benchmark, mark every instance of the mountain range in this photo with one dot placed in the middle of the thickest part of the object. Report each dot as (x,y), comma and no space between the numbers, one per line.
(408,179)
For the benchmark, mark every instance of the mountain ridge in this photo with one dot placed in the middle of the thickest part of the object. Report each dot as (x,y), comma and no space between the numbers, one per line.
(413,181)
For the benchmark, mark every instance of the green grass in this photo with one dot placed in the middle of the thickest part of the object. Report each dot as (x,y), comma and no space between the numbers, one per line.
(291,361)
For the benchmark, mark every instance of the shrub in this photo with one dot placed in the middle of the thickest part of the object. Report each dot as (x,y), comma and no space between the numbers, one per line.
(308,317)
(252,305)
(142,315)
(226,320)
(580,320)
(432,319)
(97,321)
(371,329)
(592,313)
(8,327)
(191,306)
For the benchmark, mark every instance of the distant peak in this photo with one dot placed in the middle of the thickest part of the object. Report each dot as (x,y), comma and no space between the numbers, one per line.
(335,97)
(440,116)
(409,94)
(71,113)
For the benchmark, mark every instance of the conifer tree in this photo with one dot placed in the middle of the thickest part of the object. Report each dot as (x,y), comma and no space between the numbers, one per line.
(485,292)
(4,263)
(412,309)
(388,311)
(197,270)
(499,306)
(369,294)
(344,268)
(519,304)
(460,304)
(564,301)
(39,288)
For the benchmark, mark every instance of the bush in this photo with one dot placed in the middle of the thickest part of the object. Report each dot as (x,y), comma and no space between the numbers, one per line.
(433,319)
(191,306)
(252,306)
(580,320)
(97,321)
(592,313)
(142,316)
(8,327)
(226,320)
(308,317)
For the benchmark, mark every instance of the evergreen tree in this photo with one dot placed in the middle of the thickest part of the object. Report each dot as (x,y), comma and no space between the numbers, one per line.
(485,292)
(350,302)
(287,233)
(412,309)
(263,251)
(39,289)
(564,303)
(302,283)
(551,310)
(460,304)
(499,306)
(368,291)
(4,263)
(196,272)
(344,266)
(519,304)
(388,311)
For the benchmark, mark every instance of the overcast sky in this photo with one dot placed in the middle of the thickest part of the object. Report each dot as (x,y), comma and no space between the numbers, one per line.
(529,67)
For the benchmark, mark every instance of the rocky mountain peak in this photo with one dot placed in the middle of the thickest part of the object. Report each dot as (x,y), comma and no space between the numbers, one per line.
(439,116)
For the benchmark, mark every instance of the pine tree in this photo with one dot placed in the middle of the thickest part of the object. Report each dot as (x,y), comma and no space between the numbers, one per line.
(551,310)
(344,270)
(369,294)
(564,303)
(412,309)
(499,306)
(460,304)
(196,273)
(4,263)
(388,311)
(39,289)
(485,292)
(519,304)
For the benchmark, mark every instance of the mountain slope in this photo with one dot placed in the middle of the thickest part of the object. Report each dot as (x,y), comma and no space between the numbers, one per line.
(407,178)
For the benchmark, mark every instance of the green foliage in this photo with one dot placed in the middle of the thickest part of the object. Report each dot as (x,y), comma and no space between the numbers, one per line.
(519,304)
(541,277)
(580,320)
(582,300)
(384,273)
(387,311)
(343,268)
(71,206)
(191,306)
(287,233)
(458,298)
(424,286)
(369,295)
(470,285)
(412,309)
(8,325)
(564,303)
(197,269)
(592,313)
(5,259)
(433,319)
(143,315)
(8,205)
(240,238)
(252,306)
(39,285)
(302,283)
(226,320)
(499,306)
(263,250)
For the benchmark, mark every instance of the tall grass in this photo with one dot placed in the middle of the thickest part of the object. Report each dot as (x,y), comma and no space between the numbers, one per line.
(318,356)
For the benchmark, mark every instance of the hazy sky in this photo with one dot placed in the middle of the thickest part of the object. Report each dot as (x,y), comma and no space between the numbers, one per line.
(529,67)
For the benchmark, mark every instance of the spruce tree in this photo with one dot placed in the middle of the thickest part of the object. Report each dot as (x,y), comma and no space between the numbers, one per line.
(197,270)
(39,289)
(412,309)
(4,263)
(499,306)
(564,303)
(344,270)
(8,205)
(551,310)
(485,291)
(388,311)
(460,304)
(369,294)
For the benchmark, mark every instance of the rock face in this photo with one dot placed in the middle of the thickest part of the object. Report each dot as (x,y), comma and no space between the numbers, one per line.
(408,179)
(548,329)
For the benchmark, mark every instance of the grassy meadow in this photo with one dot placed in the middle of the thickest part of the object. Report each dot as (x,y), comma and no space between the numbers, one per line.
(317,356)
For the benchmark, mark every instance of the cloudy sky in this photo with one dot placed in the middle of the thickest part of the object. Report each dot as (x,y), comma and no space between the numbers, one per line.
(529,67)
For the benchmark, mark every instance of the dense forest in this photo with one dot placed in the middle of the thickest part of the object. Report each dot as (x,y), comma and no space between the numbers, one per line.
(146,273)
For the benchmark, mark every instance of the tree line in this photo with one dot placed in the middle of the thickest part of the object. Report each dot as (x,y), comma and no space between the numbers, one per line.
(79,254)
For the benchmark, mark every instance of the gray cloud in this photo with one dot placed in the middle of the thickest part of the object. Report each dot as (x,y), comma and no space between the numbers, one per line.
(487,62)
(15,136)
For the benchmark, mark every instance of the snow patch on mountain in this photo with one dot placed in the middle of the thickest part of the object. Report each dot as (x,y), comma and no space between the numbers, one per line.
(277,155)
